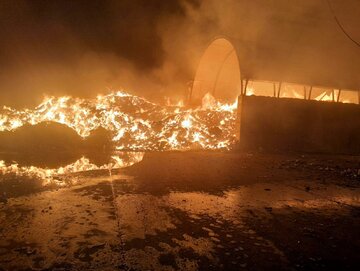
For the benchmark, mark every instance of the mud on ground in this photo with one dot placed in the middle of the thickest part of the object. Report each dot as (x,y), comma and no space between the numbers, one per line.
(191,211)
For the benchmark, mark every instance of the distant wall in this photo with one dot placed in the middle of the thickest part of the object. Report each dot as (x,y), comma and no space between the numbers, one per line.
(273,124)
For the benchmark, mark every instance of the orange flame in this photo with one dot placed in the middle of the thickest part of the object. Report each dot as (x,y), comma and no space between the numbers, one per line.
(135,123)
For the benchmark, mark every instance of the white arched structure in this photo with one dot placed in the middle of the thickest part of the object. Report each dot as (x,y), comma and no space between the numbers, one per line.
(218,73)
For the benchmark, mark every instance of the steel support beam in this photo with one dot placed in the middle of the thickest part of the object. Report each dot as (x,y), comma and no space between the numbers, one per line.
(279,90)
(338,96)
(310,91)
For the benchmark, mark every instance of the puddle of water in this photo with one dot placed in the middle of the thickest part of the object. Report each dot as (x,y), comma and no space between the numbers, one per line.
(19,178)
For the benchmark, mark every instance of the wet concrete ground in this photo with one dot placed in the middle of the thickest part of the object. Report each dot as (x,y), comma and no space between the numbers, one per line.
(192,211)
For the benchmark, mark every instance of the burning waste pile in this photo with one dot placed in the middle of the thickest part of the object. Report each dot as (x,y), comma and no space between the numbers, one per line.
(135,125)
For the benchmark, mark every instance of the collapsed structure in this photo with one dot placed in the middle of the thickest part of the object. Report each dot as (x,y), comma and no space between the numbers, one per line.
(310,118)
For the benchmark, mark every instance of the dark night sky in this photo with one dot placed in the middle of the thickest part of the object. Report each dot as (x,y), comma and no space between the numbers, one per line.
(152,47)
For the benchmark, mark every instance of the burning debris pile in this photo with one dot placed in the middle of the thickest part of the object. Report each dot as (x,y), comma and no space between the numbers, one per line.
(135,123)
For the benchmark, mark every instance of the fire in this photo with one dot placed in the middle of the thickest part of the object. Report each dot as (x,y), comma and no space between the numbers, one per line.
(186,123)
(135,123)
(250,91)
(325,96)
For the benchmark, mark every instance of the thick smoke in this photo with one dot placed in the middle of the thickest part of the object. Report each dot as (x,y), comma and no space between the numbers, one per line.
(152,48)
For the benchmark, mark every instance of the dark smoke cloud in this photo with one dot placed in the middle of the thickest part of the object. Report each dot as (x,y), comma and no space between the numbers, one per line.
(82,47)
(152,47)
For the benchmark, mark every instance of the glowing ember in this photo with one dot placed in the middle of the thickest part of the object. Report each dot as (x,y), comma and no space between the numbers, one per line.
(136,124)
(186,123)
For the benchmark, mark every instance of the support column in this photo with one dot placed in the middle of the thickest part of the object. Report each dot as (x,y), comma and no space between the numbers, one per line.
(279,90)
(310,91)
(274,88)
(238,117)
(246,84)
(338,96)
(242,85)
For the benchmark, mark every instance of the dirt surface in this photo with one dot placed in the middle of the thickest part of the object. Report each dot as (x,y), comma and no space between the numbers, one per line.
(191,211)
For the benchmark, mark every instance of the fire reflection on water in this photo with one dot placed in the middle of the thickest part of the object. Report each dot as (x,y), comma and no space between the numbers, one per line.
(58,175)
